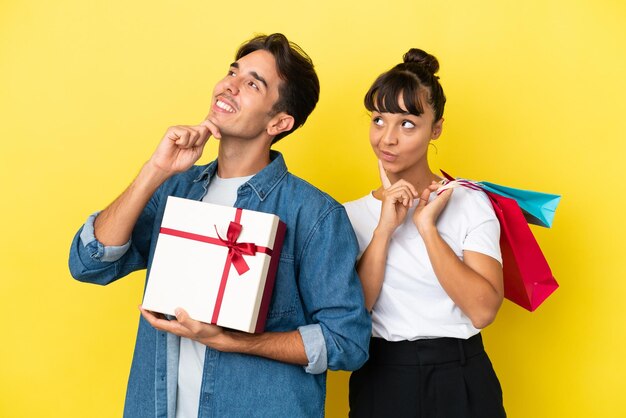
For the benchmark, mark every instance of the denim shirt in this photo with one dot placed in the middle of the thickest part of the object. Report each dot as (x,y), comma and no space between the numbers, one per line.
(317,291)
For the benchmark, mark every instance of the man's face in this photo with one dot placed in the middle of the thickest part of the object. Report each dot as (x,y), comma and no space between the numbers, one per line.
(243,100)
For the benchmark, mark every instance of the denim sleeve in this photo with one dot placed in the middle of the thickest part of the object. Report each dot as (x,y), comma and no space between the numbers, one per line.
(332,297)
(92,262)
(315,347)
(104,252)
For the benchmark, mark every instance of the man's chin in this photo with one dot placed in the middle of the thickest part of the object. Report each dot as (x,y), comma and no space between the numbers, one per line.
(211,118)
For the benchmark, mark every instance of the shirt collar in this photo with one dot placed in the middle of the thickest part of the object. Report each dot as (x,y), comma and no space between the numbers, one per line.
(262,182)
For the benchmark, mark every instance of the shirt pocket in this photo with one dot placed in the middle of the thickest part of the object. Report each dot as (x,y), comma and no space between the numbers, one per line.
(285,298)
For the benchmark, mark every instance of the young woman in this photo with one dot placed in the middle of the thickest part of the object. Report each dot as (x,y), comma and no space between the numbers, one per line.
(430,265)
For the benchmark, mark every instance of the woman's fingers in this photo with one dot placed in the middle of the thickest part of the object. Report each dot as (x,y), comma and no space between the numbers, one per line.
(445,196)
(401,193)
(423,198)
(383,176)
(403,184)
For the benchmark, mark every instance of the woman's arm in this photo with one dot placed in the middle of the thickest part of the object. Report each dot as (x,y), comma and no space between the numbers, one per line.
(396,198)
(474,284)
(371,266)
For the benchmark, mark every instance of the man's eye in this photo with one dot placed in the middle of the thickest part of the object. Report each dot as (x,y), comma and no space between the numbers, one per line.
(231,73)
(407,124)
(253,85)
(378,121)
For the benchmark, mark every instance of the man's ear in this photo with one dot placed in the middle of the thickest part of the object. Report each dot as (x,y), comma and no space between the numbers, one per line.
(280,123)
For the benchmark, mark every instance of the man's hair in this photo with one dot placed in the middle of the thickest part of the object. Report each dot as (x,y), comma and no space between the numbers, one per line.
(300,89)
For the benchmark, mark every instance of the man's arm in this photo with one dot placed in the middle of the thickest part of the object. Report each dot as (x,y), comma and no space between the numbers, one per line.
(282,346)
(101,251)
(179,149)
(332,294)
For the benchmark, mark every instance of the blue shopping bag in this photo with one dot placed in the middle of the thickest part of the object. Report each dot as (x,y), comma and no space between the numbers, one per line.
(538,208)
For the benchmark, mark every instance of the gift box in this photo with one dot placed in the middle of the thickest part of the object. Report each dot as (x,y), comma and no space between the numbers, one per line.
(217,262)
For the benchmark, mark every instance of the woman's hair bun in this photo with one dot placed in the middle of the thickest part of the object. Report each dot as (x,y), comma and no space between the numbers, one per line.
(423,59)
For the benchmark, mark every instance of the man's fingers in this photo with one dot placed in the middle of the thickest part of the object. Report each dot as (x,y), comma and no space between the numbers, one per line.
(383,176)
(194,328)
(215,131)
(200,135)
(184,319)
(152,318)
(173,133)
(183,137)
(192,136)
(173,327)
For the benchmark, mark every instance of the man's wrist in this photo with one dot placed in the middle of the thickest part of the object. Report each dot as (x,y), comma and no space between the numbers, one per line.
(222,341)
(151,176)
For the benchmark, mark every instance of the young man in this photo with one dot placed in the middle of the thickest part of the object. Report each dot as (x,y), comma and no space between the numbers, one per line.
(317,320)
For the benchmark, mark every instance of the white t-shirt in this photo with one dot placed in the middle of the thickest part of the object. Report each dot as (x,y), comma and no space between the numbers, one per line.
(191,357)
(412,304)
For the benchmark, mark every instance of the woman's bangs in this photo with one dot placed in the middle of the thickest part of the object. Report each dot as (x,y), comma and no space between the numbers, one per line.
(385,94)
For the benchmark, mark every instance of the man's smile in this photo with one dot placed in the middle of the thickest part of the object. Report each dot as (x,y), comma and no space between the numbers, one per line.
(225,104)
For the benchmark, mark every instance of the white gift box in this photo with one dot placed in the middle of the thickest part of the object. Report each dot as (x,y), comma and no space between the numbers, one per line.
(203,265)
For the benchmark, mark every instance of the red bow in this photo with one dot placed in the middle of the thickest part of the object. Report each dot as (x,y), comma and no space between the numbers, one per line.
(236,250)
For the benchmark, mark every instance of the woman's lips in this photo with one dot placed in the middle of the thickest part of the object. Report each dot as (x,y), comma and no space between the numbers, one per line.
(388,156)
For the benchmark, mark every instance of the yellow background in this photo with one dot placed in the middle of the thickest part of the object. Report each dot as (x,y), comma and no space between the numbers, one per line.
(535,100)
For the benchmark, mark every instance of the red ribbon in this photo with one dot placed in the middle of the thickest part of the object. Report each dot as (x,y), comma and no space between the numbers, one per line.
(236,251)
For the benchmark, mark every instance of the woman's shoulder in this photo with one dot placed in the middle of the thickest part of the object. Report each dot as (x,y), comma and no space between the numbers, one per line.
(362,207)
(471,201)
(466,194)
(360,202)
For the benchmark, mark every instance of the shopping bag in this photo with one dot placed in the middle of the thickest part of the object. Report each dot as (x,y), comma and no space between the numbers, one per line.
(528,280)
(538,207)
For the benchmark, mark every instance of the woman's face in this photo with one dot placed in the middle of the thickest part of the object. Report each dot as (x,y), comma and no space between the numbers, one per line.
(400,140)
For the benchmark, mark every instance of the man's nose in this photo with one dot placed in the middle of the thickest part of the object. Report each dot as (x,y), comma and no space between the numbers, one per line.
(232,85)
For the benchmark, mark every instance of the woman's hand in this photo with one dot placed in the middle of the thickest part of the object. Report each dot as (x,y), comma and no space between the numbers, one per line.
(427,213)
(473,283)
(397,199)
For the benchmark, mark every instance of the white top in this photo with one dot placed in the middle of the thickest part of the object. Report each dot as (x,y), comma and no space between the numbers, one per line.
(191,358)
(412,304)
